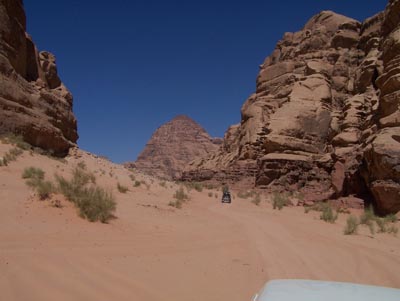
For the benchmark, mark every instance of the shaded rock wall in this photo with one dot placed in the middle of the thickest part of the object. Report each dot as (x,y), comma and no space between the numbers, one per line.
(33,101)
(324,118)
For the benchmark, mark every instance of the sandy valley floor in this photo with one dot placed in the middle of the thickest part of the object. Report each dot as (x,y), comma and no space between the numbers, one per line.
(153,252)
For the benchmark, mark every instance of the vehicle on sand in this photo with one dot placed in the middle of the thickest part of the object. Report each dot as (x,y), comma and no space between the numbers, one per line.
(311,290)
(226,197)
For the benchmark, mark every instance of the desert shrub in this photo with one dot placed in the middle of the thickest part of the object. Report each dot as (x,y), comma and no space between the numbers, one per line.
(93,202)
(132,177)
(246,194)
(391,218)
(343,210)
(33,173)
(163,184)
(10,156)
(96,204)
(279,200)
(392,229)
(176,203)
(351,225)
(181,195)
(210,186)
(319,207)
(257,200)
(35,179)
(121,188)
(225,189)
(210,194)
(328,215)
(382,225)
(137,184)
(44,189)
(198,186)
(194,185)
(368,218)
(16,140)
(81,165)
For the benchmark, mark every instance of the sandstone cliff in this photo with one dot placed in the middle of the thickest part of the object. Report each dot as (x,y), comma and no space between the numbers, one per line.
(173,146)
(33,101)
(324,118)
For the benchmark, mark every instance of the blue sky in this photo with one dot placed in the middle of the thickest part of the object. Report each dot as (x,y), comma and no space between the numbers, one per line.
(134,65)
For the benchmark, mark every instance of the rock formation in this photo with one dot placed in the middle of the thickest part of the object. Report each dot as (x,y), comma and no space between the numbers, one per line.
(325,117)
(173,146)
(33,101)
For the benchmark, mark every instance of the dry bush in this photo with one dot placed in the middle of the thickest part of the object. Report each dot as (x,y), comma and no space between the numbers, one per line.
(121,188)
(257,200)
(35,178)
(280,200)
(351,225)
(93,202)
(328,215)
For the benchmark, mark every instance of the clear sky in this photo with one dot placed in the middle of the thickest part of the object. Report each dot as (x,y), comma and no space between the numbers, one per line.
(134,65)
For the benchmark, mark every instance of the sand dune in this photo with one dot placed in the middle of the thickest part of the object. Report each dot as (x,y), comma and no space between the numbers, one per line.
(153,252)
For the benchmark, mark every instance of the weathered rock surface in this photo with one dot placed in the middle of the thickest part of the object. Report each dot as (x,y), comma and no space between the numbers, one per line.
(324,118)
(172,146)
(33,101)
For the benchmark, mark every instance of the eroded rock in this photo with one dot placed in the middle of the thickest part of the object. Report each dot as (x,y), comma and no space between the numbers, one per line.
(33,101)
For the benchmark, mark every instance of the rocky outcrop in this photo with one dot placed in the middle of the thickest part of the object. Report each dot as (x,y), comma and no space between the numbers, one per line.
(173,146)
(33,101)
(325,114)
(382,153)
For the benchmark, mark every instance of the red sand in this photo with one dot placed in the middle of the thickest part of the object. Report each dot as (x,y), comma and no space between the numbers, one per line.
(153,252)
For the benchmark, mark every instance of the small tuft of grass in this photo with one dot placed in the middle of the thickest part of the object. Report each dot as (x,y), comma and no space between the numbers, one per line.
(351,225)
(137,183)
(392,229)
(257,200)
(246,194)
(177,204)
(225,189)
(280,200)
(33,173)
(121,188)
(368,218)
(328,215)
(35,178)
(163,184)
(382,225)
(16,140)
(194,185)
(11,156)
(210,194)
(44,189)
(81,165)
(181,195)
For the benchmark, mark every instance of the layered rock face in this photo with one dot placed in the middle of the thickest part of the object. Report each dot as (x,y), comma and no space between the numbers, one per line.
(324,119)
(173,146)
(33,101)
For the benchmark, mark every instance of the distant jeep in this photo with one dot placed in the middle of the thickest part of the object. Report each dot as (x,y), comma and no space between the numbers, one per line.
(226,197)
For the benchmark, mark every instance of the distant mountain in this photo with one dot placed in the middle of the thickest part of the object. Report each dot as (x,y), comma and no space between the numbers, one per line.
(172,146)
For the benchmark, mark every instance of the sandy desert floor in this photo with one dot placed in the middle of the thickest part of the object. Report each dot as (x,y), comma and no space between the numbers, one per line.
(153,252)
